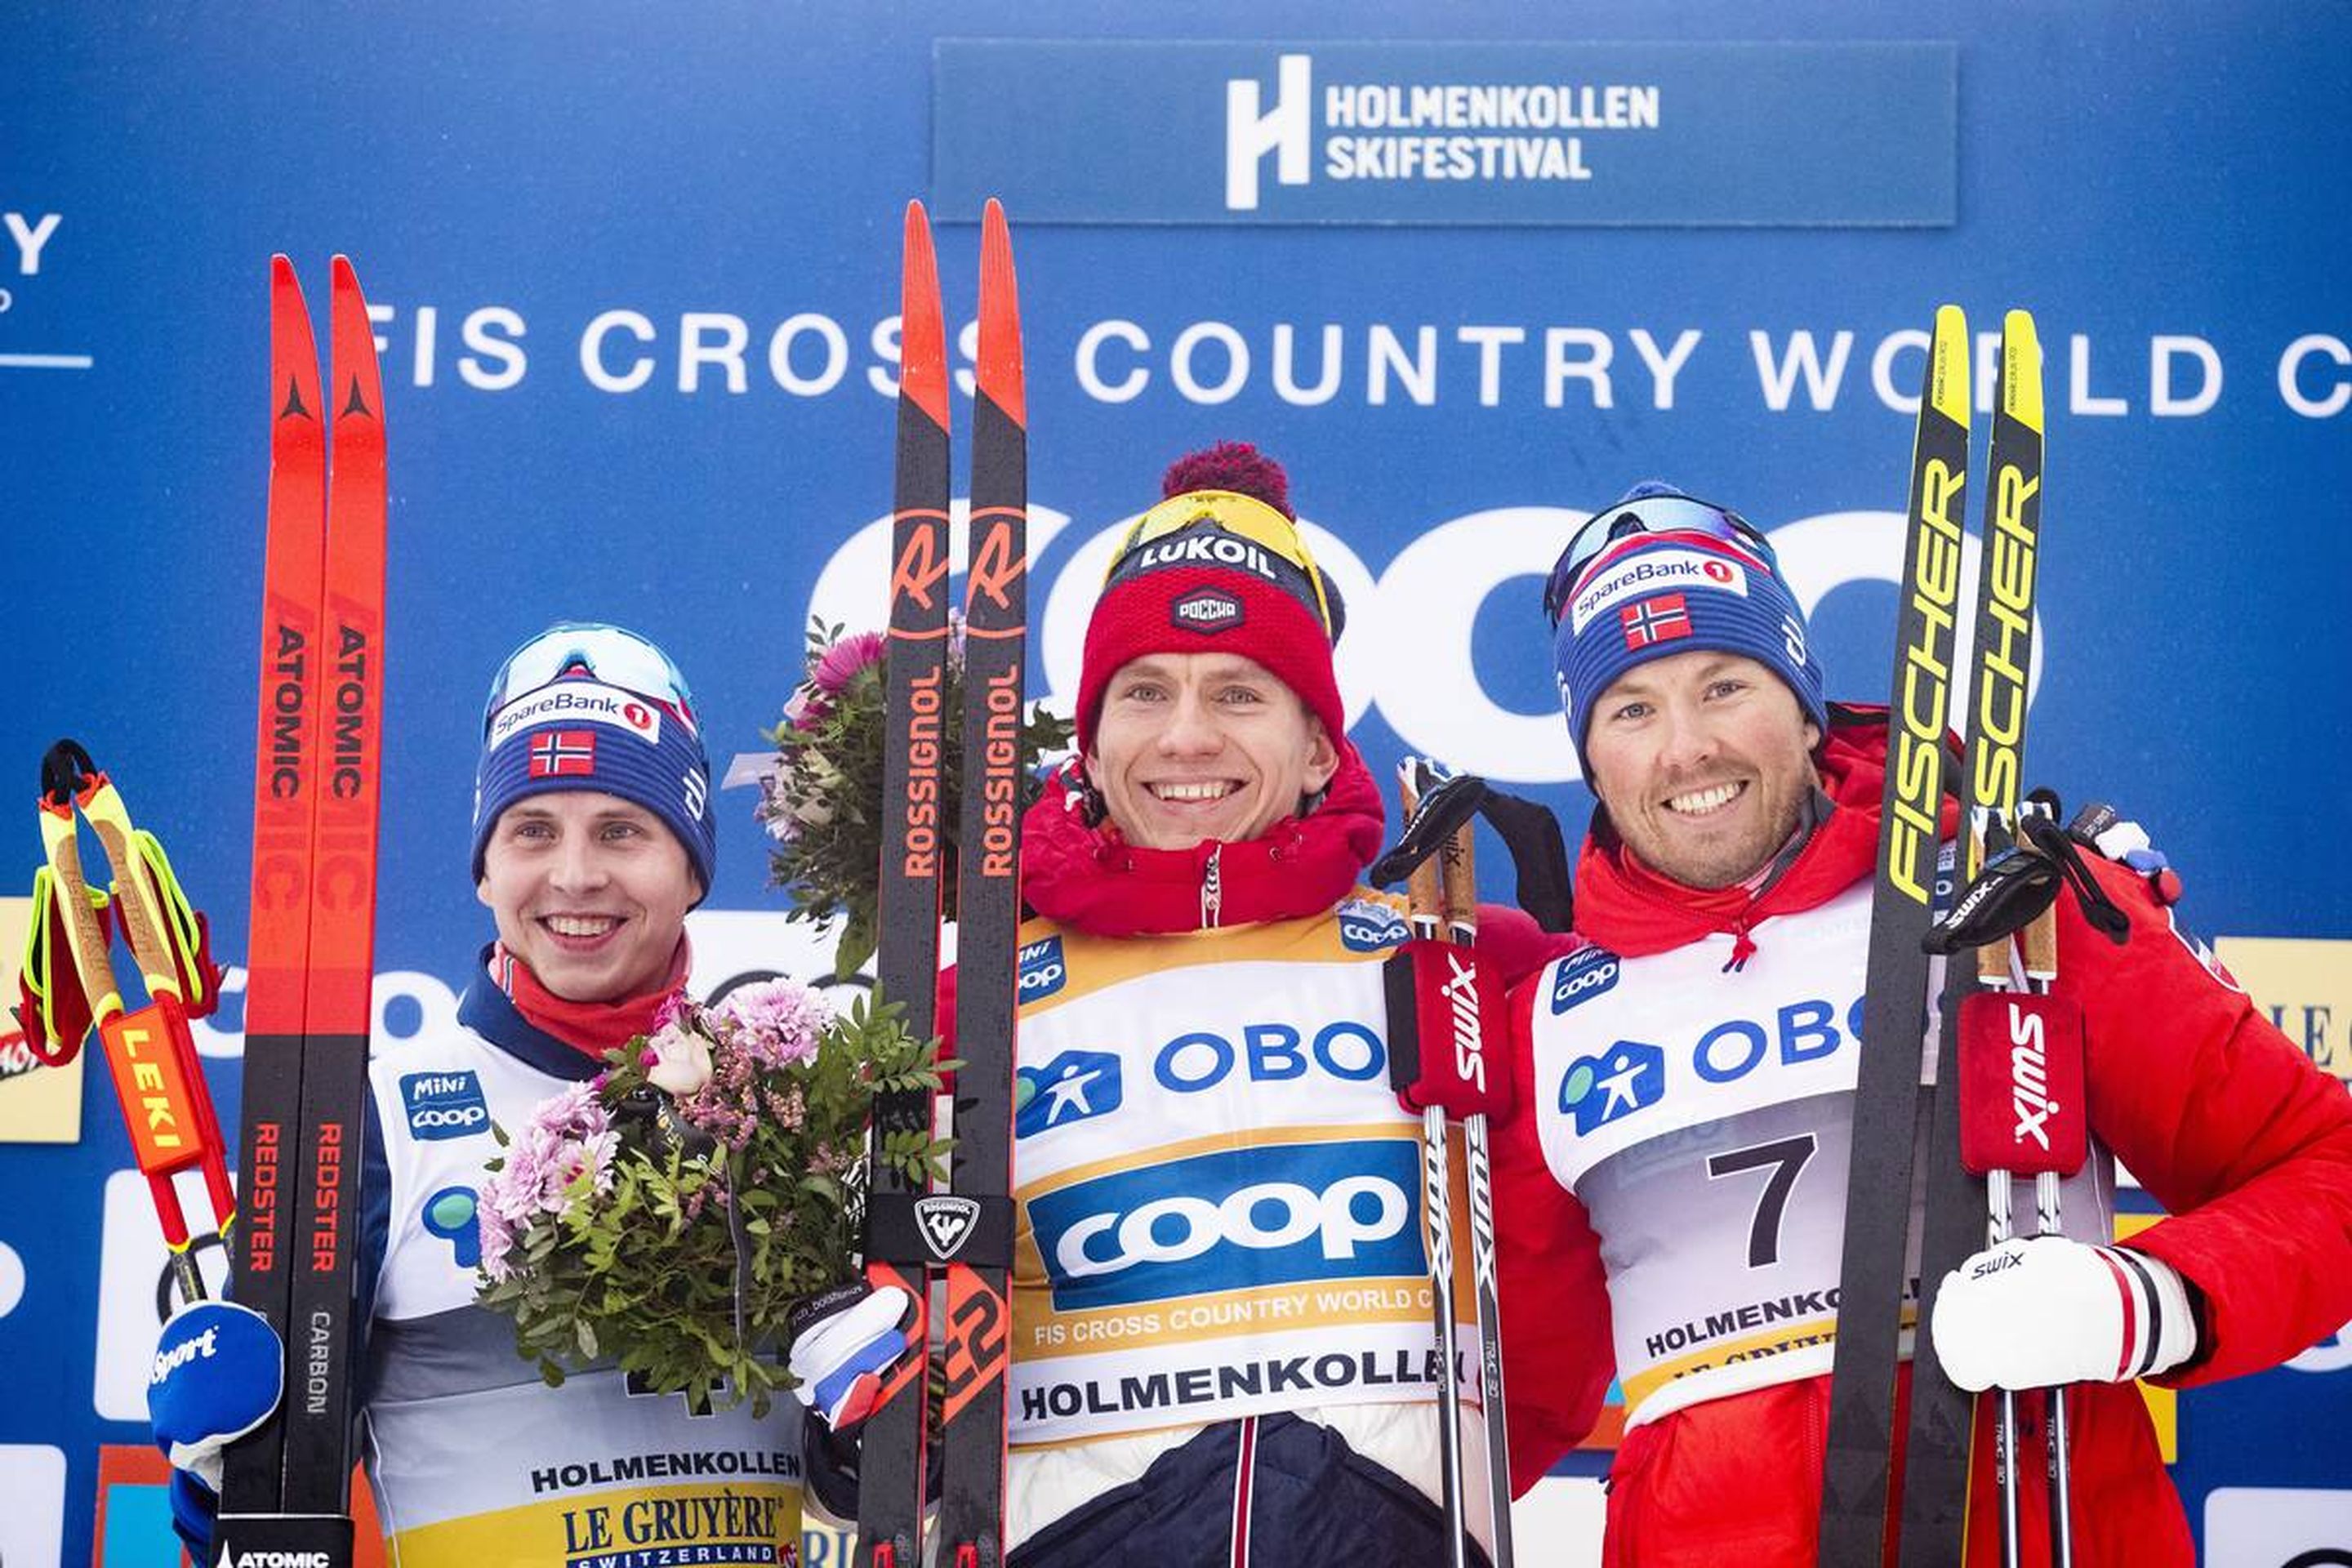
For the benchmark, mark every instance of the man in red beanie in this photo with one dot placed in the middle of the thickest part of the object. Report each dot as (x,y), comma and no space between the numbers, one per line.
(1222,1344)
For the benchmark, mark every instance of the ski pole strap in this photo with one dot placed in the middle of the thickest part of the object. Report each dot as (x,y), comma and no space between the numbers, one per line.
(1438,993)
(52,1008)
(2017,885)
(1532,835)
(186,934)
(2043,831)
(934,1228)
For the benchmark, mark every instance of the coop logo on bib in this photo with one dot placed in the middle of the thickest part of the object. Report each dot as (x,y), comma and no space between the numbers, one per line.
(1582,977)
(443,1105)
(1282,1215)
(1368,926)
(1043,972)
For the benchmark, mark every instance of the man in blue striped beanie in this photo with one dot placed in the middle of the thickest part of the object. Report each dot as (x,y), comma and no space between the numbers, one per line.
(1681,656)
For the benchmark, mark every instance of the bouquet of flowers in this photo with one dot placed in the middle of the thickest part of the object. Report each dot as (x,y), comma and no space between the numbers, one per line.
(822,799)
(671,1212)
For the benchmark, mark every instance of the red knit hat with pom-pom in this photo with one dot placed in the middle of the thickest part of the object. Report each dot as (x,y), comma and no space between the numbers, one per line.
(1217,567)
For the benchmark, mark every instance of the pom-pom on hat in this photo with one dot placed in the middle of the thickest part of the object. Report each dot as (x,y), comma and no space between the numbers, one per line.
(585,706)
(1218,566)
(1659,573)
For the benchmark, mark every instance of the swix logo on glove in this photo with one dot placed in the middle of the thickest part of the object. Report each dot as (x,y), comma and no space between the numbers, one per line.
(443,1105)
(1289,1214)
(1992,1263)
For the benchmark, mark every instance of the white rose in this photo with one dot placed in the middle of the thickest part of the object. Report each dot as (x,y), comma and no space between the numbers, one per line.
(681,1062)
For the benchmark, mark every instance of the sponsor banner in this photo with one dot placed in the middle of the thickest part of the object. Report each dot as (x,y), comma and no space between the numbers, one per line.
(1655,569)
(1669,134)
(1234,1219)
(1076,1397)
(38,1104)
(2278,1527)
(578,702)
(2304,987)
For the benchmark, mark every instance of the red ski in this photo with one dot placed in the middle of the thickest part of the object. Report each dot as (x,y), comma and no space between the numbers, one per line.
(310,962)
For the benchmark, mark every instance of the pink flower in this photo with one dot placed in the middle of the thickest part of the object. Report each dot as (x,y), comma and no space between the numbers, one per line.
(774,1023)
(839,665)
(830,674)
(497,1240)
(567,1136)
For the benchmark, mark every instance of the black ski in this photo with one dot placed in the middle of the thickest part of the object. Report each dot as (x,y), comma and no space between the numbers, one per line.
(891,1450)
(1871,1284)
(979,1332)
(963,1237)
(1937,1446)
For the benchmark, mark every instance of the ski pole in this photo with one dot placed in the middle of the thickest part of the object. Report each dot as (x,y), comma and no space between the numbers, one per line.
(1458,874)
(2021,1084)
(2041,954)
(1425,897)
(151,1057)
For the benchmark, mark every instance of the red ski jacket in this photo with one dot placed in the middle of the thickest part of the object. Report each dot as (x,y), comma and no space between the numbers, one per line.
(2243,1141)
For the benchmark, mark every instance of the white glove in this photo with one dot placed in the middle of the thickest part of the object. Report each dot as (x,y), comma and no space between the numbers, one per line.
(2041,1312)
(845,1344)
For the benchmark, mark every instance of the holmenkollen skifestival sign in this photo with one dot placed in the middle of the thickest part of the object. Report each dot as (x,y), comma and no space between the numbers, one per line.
(1468,271)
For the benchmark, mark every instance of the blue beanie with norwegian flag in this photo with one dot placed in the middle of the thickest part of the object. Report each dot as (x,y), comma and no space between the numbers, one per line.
(584,730)
(1651,595)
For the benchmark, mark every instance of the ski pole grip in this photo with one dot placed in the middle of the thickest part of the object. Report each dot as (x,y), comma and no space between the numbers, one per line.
(1447,1024)
(2021,1084)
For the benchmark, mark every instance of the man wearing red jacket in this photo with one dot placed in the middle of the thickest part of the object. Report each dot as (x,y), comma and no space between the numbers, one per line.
(1686,1101)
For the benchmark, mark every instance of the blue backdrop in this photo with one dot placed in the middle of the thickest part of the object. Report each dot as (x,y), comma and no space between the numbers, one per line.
(635,268)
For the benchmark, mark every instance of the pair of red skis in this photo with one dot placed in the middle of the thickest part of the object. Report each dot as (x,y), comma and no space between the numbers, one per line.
(311,962)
